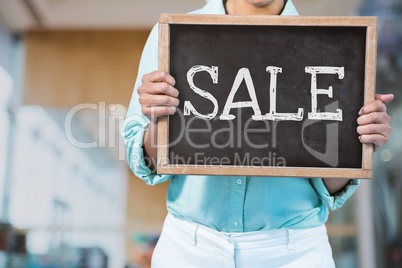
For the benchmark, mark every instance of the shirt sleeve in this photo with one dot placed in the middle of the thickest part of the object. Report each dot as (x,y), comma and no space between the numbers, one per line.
(135,123)
(337,200)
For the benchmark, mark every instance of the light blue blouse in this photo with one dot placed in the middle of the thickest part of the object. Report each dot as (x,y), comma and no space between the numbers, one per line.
(230,204)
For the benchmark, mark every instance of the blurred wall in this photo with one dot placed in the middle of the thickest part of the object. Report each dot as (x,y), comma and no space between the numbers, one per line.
(327,7)
(67,68)
(71,67)
(6,42)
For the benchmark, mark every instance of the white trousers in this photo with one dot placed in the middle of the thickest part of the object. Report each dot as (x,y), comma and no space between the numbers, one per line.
(187,244)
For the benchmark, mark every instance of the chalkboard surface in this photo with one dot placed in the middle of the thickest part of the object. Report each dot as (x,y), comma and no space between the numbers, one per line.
(266,97)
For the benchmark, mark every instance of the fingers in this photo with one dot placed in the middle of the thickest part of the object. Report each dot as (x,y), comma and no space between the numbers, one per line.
(385,98)
(377,134)
(158,88)
(157,95)
(158,76)
(374,121)
(374,117)
(148,100)
(154,106)
(382,129)
(155,112)
(158,83)
(374,128)
(376,139)
(374,106)
(378,105)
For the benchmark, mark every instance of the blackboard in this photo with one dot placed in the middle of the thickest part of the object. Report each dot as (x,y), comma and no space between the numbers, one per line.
(267,96)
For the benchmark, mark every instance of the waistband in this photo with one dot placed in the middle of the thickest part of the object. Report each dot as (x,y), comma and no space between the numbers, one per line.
(198,233)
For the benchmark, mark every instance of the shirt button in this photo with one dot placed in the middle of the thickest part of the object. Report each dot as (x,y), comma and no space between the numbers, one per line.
(236,223)
(239,181)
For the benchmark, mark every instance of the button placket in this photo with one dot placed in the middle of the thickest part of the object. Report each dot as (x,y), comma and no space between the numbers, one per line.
(237,204)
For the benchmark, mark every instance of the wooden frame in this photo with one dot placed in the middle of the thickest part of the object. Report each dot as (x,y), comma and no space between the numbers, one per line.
(163,166)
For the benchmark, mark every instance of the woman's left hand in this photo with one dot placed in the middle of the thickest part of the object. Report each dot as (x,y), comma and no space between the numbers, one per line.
(374,121)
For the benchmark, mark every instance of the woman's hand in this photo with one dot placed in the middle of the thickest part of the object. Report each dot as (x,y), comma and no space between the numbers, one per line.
(374,121)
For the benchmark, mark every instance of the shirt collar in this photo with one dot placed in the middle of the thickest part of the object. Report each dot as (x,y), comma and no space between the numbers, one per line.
(289,9)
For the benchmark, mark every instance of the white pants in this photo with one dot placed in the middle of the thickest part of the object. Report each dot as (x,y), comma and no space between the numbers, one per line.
(187,244)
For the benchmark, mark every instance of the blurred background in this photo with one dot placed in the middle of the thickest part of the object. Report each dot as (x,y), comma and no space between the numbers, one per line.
(67,197)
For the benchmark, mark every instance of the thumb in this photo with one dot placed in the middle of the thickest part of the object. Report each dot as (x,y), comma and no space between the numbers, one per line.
(385,98)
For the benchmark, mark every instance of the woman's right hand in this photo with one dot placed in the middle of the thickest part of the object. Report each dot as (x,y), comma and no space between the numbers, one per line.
(157,95)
